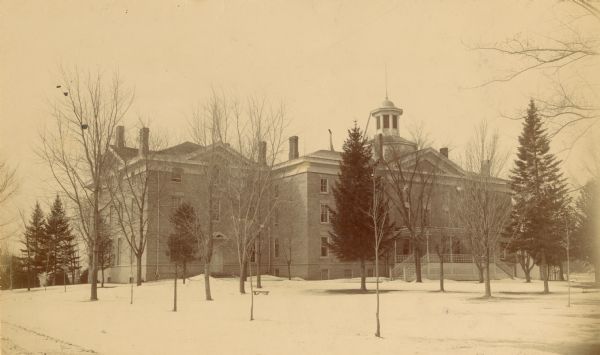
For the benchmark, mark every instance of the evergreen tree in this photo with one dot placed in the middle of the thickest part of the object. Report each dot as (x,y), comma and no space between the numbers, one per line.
(352,235)
(58,241)
(585,241)
(539,192)
(34,232)
(182,243)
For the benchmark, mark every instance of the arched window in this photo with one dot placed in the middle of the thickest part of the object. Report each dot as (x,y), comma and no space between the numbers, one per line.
(395,121)
(386,121)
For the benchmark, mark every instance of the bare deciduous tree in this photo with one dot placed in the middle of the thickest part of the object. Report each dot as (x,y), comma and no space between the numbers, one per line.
(128,187)
(564,57)
(76,148)
(382,232)
(285,219)
(259,140)
(411,187)
(209,126)
(8,181)
(483,202)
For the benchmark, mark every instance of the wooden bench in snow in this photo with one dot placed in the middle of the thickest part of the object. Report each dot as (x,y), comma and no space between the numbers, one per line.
(261,292)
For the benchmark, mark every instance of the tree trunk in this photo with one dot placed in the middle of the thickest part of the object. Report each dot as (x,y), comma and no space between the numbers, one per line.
(28,274)
(54,268)
(488,286)
(257,248)
(207,260)
(243,278)
(417,257)
(102,282)
(184,272)
(561,274)
(442,273)
(480,271)
(207,281)
(544,267)
(378,332)
(93,269)
(289,265)
(251,295)
(527,272)
(363,277)
(139,269)
(175,290)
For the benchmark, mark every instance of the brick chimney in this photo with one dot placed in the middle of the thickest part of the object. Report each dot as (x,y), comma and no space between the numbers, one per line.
(444,151)
(293,152)
(143,141)
(120,137)
(262,153)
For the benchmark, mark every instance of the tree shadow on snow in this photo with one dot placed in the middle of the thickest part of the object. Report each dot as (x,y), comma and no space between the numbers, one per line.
(498,298)
(518,293)
(451,291)
(350,291)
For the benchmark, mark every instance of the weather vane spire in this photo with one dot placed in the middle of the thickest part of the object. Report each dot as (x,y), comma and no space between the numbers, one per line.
(386,85)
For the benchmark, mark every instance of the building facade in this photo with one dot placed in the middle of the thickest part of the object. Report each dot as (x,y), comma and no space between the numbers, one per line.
(296,236)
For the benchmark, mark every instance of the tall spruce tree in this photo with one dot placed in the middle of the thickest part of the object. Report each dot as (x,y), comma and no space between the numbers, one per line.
(352,234)
(37,228)
(58,239)
(34,232)
(539,191)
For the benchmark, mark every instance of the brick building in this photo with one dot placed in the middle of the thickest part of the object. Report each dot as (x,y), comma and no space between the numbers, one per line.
(297,233)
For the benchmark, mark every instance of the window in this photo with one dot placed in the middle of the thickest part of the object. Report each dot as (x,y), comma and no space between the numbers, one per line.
(325,274)
(386,121)
(324,247)
(276,272)
(456,248)
(395,121)
(276,247)
(175,203)
(406,247)
(347,273)
(378,122)
(275,217)
(324,213)
(216,210)
(176,174)
(324,185)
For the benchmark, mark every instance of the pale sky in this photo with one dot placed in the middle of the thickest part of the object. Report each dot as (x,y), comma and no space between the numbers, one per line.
(325,59)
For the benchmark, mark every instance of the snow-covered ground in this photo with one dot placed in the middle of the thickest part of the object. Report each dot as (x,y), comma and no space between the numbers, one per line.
(303,317)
